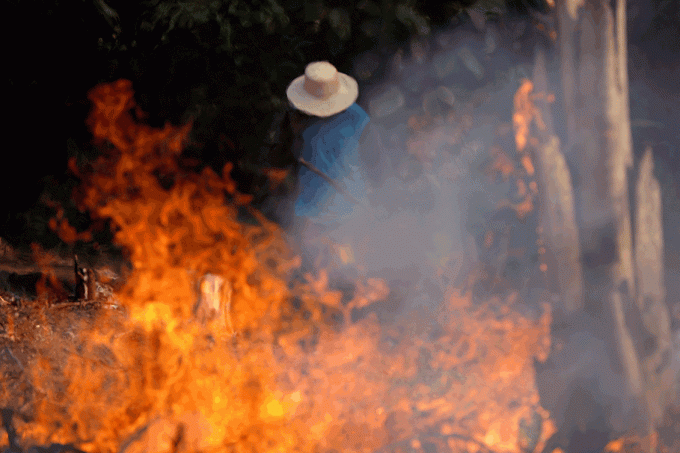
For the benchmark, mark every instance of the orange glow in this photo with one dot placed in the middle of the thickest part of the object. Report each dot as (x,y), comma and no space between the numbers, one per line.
(528,165)
(614,446)
(524,113)
(524,207)
(289,376)
(274,409)
(521,188)
(488,239)
(501,164)
(65,231)
(276,176)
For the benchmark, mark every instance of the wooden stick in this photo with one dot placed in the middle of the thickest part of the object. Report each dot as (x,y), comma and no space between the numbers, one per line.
(330,181)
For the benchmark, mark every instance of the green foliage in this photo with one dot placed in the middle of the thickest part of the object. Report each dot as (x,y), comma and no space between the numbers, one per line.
(225,64)
(230,16)
(407,14)
(490,7)
(340,23)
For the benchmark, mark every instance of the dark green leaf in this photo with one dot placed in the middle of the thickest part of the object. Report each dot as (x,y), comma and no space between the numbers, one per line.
(225,33)
(371,8)
(313,11)
(411,18)
(371,28)
(340,23)
(490,6)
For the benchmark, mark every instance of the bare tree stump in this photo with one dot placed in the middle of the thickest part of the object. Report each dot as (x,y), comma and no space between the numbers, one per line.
(655,336)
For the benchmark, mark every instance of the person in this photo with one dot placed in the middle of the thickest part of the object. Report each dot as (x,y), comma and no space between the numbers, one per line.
(344,221)
(328,127)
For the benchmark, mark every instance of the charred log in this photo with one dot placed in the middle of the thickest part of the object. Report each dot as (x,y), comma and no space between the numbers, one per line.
(86,282)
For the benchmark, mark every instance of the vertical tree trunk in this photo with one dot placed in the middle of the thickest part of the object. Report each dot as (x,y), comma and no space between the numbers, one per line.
(655,326)
(567,12)
(556,207)
(623,285)
(600,146)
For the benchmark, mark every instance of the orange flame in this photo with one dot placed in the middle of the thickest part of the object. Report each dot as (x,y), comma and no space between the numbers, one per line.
(292,377)
(524,113)
(276,176)
(501,164)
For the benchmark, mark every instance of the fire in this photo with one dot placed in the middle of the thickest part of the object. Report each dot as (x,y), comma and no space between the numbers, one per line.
(295,371)
(526,114)
(276,176)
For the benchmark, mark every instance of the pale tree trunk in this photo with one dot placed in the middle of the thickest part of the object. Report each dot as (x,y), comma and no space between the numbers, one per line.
(621,283)
(655,326)
(601,148)
(557,219)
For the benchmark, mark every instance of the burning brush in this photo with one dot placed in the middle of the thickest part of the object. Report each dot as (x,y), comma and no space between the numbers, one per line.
(303,374)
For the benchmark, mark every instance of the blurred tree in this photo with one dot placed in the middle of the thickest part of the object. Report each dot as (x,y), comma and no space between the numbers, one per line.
(225,65)
(620,300)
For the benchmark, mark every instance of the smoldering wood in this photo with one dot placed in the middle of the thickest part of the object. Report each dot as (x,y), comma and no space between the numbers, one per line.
(86,282)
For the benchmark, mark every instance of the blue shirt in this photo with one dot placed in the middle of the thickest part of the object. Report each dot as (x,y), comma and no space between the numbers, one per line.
(332,146)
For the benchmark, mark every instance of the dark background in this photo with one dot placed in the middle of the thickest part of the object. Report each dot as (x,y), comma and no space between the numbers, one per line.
(225,65)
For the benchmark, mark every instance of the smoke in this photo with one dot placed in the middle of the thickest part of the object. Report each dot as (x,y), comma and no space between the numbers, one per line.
(441,112)
(438,115)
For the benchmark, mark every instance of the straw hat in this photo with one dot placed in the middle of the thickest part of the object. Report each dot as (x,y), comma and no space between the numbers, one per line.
(322,90)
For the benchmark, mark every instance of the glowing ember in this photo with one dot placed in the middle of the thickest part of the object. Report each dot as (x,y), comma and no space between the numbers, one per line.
(292,376)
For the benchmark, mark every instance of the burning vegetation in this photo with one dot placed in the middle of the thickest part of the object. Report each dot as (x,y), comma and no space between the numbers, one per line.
(302,366)
(526,274)
(217,338)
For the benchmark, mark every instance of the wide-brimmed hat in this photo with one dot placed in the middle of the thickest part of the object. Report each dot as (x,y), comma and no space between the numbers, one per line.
(322,90)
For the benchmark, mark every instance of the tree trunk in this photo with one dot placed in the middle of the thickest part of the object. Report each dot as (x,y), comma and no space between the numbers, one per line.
(602,152)
(623,292)
(556,209)
(655,327)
